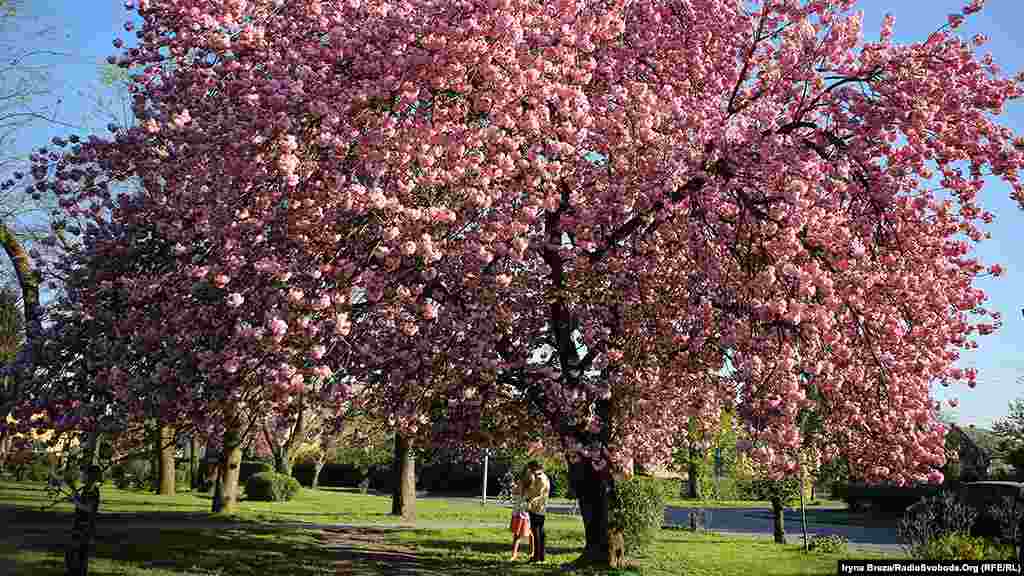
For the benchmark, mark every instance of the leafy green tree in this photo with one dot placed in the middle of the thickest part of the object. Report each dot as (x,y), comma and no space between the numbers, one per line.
(781,493)
(1009,431)
(12,334)
(696,455)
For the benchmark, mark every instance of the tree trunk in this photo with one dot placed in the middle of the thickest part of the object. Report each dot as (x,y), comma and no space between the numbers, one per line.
(403,499)
(593,489)
(218,488)
(778,526)
(228,470)
(694,481)
(155,470)
(193,461)
(317,467)
(167,462)
(283,460)
(803,508)
(4,442)
(328,442)
(281,452)
(29,281)
(87,503)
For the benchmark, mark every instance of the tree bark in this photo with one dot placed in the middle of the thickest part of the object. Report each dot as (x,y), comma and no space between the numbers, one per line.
(87,502)
(318,466)
(778,522)
(328,442)
(29,281)
(4,442)
(593,488)
(281,452)
(283,461)
(403,499)
(228,470)
(167,463)
(193,462)
(694,478)
(153,429)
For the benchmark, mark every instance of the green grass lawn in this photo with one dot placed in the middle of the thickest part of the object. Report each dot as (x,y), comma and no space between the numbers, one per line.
(453,552)
(328,505)
(137,539)
(674,552)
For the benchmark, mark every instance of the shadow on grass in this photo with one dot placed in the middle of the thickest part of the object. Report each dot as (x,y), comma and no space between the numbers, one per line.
(255,551)
(461,547)
(196,552)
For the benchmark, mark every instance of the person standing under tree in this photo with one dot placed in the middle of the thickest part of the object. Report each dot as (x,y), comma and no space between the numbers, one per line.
(520,518)
(536,504)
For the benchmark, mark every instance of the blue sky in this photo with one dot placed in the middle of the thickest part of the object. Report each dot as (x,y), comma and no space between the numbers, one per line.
(83,30)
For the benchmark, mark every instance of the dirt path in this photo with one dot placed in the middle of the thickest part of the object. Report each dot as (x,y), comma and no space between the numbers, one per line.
(365,551)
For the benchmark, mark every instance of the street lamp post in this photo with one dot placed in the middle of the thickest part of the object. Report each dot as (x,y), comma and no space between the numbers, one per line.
(487,454)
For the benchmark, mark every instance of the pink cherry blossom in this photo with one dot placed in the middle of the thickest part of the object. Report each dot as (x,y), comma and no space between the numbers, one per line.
(693,212)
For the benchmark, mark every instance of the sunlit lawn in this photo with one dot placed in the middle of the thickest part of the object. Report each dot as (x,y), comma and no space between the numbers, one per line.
(452,552)
(674,552)
(142,535)
(328,505)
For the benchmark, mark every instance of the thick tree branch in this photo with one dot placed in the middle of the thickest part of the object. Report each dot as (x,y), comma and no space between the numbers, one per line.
(633,224)
(29,282)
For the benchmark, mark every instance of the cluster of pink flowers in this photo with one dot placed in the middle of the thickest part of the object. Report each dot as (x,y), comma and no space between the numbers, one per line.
(603,219)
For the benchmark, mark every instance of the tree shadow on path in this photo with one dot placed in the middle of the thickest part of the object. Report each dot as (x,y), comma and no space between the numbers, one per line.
(368,552)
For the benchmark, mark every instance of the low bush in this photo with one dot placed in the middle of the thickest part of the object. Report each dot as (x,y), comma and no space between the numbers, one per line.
(1008,517)
(961,546)
(139,473)
(830,544)
(207,472)
(726,488)
(332,475)
(181,477)
(890,500)
(271,487)
(558,473)
(670,487)
(638,510)
(71,476)
(931,519)
(38,470)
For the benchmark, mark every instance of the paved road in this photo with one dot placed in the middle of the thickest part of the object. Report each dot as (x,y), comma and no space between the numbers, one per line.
(758,521)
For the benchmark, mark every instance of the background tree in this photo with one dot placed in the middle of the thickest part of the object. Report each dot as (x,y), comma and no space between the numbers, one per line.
(11,338)
(1009,431)
(697,457)
(780,493)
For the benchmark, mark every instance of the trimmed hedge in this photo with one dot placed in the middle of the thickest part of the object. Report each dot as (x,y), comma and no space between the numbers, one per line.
(345,476)
(889,500)
(245,471)
(271,487)
(332,475)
